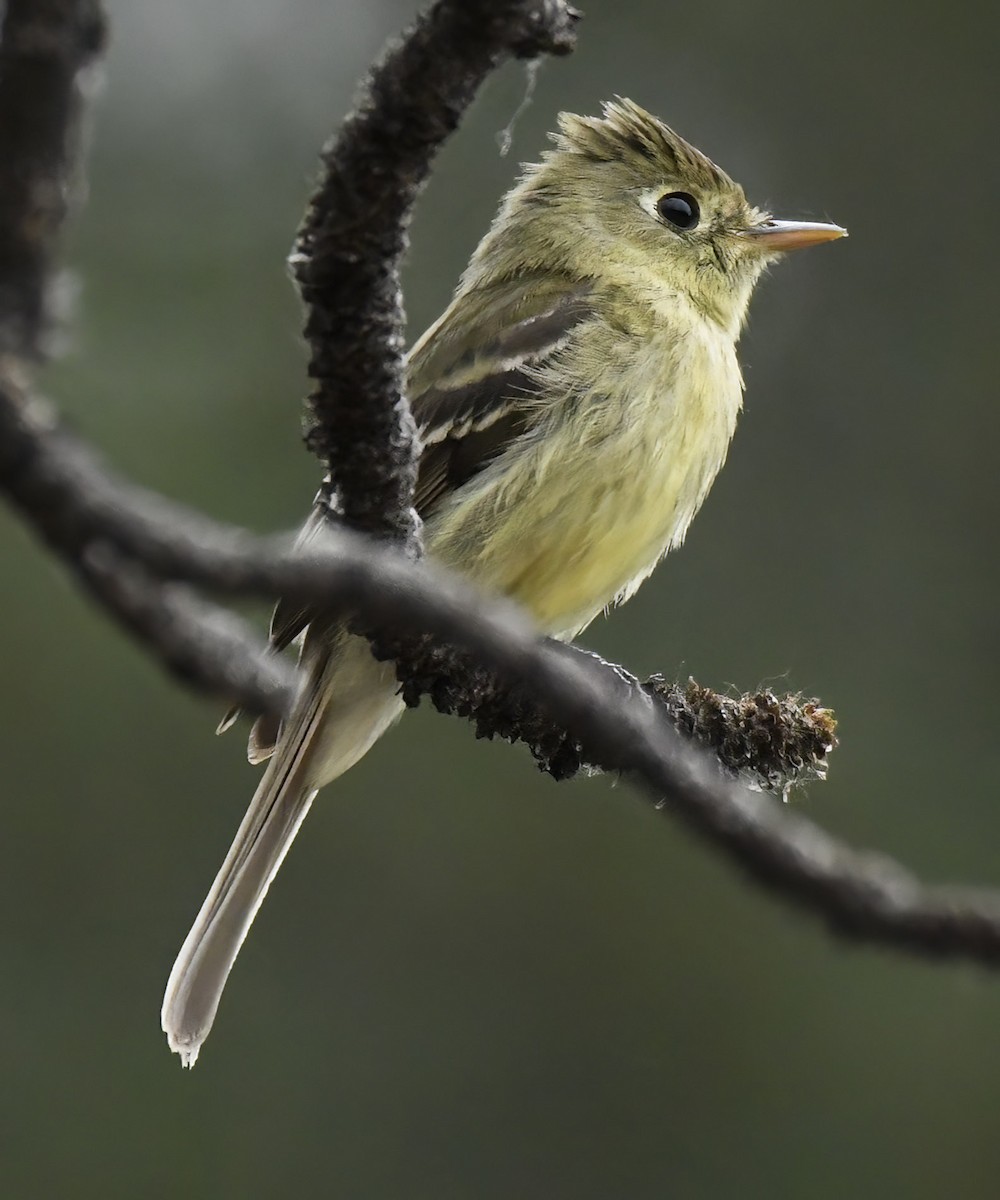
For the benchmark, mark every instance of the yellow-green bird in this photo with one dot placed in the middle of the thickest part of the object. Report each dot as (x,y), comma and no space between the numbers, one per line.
(575,402)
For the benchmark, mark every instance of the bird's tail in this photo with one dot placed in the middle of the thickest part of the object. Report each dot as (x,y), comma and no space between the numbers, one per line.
(348,704)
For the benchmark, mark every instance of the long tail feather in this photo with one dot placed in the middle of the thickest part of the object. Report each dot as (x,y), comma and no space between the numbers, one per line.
(349,703)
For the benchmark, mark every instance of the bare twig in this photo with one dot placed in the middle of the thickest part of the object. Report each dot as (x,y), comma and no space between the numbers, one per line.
(203,645)
(865,896)
(45,48)
(772,743)
(72,502)
(768,742)
(75,502)
(348,251)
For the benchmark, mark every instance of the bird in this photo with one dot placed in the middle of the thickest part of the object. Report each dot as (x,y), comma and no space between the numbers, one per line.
(575,402)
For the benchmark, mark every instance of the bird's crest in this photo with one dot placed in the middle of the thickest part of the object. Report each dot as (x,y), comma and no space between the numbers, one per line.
(627,132)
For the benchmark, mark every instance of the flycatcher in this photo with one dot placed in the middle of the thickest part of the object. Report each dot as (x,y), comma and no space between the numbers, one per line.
(575,402)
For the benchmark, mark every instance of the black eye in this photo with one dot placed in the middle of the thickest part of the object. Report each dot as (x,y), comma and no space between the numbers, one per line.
(680,209)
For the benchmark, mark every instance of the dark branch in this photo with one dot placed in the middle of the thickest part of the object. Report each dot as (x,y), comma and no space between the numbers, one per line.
(769,743)
(46,49)
(349,249)
(772,743)
(45,46)
(864,896)
(127,542)
(71,501)
(77,505)
(202,645)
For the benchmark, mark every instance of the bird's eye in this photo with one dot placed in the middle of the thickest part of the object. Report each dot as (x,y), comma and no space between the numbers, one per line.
(680,209)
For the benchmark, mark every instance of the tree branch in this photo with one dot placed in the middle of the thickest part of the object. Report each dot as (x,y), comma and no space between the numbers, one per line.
(349,249)
(72,502)
(77,504)
(862,895)
(46,47)
(130,545)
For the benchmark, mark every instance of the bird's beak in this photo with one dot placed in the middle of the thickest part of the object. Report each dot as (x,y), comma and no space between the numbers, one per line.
(779,236)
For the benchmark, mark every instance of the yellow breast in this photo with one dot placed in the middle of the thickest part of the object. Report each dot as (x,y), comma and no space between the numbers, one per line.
(574,518)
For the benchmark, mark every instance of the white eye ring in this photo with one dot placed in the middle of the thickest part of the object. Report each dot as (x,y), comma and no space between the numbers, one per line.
(677,210)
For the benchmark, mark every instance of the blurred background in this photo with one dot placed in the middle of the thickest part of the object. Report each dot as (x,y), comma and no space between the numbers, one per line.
(471,982)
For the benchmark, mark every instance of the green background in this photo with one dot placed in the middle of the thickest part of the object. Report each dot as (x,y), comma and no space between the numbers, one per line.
(471,982)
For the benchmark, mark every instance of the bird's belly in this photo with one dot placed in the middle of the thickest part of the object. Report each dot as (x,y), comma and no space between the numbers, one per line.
(578,558)
(587,513)
(575,515)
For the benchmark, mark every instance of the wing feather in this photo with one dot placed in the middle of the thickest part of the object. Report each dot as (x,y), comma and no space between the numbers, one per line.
(473,376)
(472,380)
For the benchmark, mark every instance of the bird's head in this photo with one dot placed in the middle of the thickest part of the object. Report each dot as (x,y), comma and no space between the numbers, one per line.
(624,195)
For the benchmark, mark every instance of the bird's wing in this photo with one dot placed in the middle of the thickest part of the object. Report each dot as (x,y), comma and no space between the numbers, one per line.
(472,382)
(471,388)
(472,378)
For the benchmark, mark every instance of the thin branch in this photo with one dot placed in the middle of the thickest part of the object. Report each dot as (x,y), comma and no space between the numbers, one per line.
(349,249)
(46,47)
(78,506)
(202,645)
(47,50)
(68,497)
(71,501)
(770,743)
(862,895)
